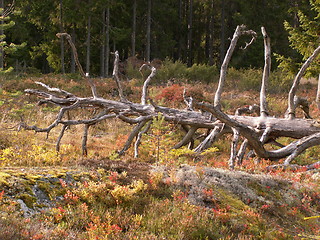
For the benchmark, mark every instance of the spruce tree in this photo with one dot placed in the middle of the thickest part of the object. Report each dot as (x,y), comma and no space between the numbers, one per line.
(6,48)
(304,38)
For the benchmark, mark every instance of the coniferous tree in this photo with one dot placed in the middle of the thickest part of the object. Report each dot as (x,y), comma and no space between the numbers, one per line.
(304,38)
(5,24)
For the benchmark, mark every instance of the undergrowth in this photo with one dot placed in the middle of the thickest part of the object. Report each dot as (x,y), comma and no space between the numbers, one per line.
(116,203)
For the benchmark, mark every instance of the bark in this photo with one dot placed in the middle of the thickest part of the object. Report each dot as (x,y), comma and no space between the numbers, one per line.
(138,140)
(85,139)
(146,82)
(266,73)
(115,75)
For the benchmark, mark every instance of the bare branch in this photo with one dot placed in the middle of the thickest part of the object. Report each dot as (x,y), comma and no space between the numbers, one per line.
(266,73)
(296,82)
(234,144)
(115,75)
(75,55)
(85,139)
(64,127)
(138,140)
(242,151)
(210,139)
(57,90)
(133,134)
(74,51)
(144,95)
(188,101)
(240,30)
(187,138)
(248,110)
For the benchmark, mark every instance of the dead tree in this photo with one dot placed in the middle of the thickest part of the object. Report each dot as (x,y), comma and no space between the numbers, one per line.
(256,132)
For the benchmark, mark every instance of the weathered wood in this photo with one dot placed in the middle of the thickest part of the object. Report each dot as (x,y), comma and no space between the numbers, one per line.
(234,144)
(115,75)
(240,30)
(146,82)
(138,140)
(296,82)
(187,138)
(266,73)
(256,131)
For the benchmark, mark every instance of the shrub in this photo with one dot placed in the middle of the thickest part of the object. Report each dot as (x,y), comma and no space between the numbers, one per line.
(173,93)
(171,70)
(202,73)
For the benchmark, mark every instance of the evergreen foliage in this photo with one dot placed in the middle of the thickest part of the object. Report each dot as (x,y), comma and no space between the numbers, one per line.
(213,23)
(304,39)
(7,48)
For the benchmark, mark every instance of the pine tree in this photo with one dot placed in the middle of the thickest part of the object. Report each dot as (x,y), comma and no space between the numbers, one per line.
(6,23)
(304,38)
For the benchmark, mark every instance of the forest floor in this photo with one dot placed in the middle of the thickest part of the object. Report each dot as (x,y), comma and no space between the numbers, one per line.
(161,195)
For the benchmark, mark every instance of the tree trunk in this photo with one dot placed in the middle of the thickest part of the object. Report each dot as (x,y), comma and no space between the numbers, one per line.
(73,39)
(134,26)
(88,46)
(107,37)
(63,70)
(179,31)
(148,44)
(1,33)
(211,34)
(223,31)
(103,45)
(190,26)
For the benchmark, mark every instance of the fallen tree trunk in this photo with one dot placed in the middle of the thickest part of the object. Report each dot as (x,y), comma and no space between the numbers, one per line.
(256,132)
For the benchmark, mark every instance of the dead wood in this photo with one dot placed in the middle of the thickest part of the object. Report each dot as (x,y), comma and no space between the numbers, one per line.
(256,132)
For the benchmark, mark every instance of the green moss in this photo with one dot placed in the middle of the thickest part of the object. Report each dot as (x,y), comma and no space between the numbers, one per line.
(44,186)
(33,178)
(3,178)
(28,199)
(227,198)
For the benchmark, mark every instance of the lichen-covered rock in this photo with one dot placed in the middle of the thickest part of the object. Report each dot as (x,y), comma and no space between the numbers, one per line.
(250,189)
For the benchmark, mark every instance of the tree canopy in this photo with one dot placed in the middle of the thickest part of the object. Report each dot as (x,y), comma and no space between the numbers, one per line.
(191,31)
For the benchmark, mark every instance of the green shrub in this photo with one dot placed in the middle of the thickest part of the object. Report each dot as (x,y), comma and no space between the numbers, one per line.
(279,82)
(202,73)
(132,72)
(171,70)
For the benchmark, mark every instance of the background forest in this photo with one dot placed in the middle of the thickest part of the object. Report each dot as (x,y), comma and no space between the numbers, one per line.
(163,193)
(189,31)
